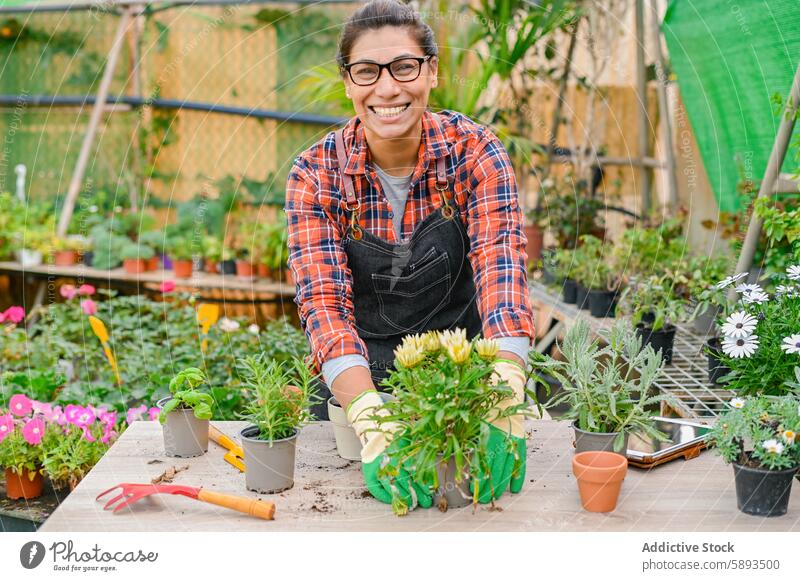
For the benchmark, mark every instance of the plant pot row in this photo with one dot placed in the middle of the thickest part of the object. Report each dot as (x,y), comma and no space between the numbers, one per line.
(599,303)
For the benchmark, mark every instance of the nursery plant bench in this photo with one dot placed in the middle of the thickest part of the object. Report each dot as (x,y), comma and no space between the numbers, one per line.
(685,379)
(26,515)
(329,493)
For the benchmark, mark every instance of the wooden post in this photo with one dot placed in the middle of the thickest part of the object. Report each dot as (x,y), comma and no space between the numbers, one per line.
(663,106)
(644,121)
(562,90)
(771,174)
(94,122)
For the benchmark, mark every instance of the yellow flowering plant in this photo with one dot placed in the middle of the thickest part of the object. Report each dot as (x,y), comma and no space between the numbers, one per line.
(444,395)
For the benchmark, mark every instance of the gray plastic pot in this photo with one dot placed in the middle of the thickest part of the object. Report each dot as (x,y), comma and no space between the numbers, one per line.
(347,443)
(597,441)
(185,436)
(456,496)
(269,463)
(706,322)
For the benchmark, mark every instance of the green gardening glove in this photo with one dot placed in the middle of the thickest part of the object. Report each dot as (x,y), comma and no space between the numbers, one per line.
(506,447)
(399,487)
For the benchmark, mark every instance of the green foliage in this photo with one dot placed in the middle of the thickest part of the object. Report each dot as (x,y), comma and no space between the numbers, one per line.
(592,265)
(654,301)
(38,384)
(135,251)
(282,394)
(570,210)
(186,395)
(182,247)
(741,432)
(68,456)
(606,387)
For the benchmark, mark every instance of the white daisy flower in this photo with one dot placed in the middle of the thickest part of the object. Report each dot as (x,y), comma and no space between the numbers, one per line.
(253,329)
(773,446)
(729,280)
(739,324)
(755,297)
(740,347)
(791,344)
(783,289)
(748,288)
(737,403)
(228,325)
(789,436)
(793,272)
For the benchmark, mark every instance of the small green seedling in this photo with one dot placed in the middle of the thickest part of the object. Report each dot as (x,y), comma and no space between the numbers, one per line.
(186,395)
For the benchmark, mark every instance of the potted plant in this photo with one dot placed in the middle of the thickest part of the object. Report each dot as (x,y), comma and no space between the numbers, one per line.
(599,475)
(761,338)
(179,248)
(227,263)
(572,212)
(759,436)
(281,397)
(212,252)
(21,433)
(607,388)
(32,242)
(75,441)
(135,257)
(348,445)
(655,308)
(564,270)
(444,397)
(185,415)
(534,229)
(155,239)
(706,291)
(245,267)
(599,279)
(64,250)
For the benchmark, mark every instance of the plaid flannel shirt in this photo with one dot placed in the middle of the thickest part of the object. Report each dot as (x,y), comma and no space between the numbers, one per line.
(484,190)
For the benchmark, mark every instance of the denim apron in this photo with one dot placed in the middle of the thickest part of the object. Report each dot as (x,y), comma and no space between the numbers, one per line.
(421,285)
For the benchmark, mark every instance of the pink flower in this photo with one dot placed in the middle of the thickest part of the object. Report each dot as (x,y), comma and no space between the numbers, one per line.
(57,416)
(67,291)
(134,414)
(153,413)
(42,408)
(89,306)
(108,418)
(20,405)
(6,426)
(84,418)
(167,286)
(86,290)
(15,314)
(87,434)
(72,412)
(33,431)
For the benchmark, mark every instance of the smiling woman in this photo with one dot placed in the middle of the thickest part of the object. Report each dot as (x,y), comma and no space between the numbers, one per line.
(404,221)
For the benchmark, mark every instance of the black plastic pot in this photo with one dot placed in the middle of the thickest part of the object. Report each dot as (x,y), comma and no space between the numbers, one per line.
(602,303)
(663,339)
(87,258)
(555,390)
(227,267)
(716,369)
(569,291)
(763,492)
(582,297)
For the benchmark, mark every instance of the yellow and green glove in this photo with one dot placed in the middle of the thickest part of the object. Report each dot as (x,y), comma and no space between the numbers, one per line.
(376,441)
(506,446)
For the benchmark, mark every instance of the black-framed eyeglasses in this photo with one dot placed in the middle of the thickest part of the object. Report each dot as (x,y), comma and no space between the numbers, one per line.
(404,70)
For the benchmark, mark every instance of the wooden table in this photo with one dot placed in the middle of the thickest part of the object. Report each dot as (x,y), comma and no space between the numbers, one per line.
(329,494)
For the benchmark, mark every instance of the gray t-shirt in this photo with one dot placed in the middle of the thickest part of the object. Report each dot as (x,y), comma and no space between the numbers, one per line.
(396,190)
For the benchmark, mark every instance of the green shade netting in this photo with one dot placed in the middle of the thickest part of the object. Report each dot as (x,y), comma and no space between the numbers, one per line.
(729,59)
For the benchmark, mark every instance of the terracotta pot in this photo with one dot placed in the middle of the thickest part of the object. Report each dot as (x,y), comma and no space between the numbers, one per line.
(21,485)
(182,268)
(65,258)
(245,269)
(152,263)
(600,476)
(211,266)
(134,265)
(262,270)
(535,236)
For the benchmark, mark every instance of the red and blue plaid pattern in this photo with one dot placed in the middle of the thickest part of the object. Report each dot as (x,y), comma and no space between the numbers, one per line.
(484,190)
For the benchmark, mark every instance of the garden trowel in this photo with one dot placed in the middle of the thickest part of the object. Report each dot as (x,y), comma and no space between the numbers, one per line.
(100,330)
(207,315)
(235,454)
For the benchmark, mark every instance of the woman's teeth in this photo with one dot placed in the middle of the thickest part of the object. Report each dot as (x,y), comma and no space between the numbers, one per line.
(388,111)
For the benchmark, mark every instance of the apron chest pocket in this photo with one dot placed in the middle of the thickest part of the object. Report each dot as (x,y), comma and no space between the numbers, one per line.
(408,302)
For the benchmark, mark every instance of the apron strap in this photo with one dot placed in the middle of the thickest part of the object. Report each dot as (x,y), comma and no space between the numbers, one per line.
(351,204)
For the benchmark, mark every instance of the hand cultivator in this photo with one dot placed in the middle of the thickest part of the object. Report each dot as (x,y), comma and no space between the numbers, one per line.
(130,493)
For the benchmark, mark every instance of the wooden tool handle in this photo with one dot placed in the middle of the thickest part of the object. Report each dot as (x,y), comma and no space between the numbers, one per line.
(224,440)
(251,506)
